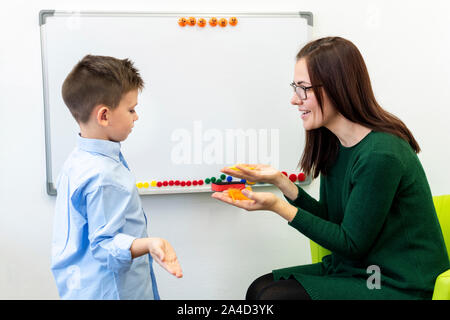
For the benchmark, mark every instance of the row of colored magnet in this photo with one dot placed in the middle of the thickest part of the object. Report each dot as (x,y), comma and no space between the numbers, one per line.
(222,178)
(295,177)
(183,183)
(201,22)
(170,183)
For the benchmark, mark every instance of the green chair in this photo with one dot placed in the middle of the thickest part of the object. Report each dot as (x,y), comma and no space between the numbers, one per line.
(442,285)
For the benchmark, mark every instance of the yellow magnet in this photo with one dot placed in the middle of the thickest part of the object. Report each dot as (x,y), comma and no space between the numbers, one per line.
(236,169)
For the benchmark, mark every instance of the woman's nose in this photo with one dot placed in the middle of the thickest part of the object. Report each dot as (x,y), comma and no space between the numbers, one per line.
(295,100)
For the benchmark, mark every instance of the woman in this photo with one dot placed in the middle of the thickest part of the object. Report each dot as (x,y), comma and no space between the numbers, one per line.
(375,208)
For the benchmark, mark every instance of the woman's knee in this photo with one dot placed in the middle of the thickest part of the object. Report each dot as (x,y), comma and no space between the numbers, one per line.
(258,285)
(289,289)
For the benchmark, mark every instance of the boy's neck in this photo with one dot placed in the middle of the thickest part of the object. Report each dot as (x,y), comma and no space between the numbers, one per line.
(91,133)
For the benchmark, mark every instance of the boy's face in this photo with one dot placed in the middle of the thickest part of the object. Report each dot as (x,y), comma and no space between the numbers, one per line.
(121,119)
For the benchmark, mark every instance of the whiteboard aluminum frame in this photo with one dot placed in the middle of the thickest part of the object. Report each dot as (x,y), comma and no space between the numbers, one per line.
(44,14)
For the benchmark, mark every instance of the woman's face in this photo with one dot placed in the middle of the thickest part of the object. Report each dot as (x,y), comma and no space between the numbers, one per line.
(309,109)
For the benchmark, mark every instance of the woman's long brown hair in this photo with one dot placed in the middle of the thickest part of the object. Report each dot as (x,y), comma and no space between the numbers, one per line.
(337,66)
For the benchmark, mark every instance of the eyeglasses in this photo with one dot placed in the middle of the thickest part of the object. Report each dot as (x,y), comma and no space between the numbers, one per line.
(301,90)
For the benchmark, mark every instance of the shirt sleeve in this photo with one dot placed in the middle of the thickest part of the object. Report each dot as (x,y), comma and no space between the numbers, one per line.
(308,203)
(106,209)
(375,181)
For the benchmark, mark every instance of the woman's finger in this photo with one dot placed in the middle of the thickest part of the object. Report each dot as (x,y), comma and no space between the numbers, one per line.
(233,173)
(222,197)
(246,170)
(243,204)
(241,173)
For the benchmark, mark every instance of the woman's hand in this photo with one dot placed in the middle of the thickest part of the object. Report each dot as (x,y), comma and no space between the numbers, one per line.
(163,253)
(258,200)
(254,173)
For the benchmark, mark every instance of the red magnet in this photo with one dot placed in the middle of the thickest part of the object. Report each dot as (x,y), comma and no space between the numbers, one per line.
(159,184)
(293,177)
(301,176)
(221,186)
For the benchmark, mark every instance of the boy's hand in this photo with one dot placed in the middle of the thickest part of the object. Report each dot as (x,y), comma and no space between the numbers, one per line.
(163,253)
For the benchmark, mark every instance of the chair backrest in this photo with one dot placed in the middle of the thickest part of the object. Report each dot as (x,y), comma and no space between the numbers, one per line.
(442,205)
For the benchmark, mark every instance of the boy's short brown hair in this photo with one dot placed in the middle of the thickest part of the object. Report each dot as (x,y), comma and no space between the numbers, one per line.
(98,80)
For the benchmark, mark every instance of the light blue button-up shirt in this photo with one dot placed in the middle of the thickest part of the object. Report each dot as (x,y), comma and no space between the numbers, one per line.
(98,214)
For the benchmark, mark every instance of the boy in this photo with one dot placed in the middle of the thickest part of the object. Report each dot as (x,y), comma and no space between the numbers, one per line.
(100,248)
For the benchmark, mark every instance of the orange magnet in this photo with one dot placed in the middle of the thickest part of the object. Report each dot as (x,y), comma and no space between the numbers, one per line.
(236,194)
(223,22)
(192,21)
(182,22)
(213,22)
(233,21)
(201,22)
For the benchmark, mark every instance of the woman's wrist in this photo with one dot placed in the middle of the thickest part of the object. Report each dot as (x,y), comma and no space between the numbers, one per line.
(284,209)
(287,187)
(279,181)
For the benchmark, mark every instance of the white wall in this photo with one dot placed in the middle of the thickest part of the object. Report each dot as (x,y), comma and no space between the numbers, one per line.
(406,46)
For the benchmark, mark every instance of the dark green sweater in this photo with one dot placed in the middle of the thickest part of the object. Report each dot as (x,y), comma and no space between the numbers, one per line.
(375,208)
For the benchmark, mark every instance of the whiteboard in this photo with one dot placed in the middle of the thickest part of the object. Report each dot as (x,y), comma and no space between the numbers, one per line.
(213,97)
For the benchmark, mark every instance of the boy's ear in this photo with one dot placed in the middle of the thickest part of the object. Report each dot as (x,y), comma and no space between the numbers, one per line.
(102,115)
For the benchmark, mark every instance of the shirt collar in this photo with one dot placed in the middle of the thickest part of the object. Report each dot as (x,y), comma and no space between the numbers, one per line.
(105,147)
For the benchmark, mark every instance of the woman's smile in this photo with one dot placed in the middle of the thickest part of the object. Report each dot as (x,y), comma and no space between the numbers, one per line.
(304,113)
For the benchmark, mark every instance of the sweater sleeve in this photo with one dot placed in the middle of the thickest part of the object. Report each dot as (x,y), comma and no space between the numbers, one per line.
(375,180)
(308,203)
